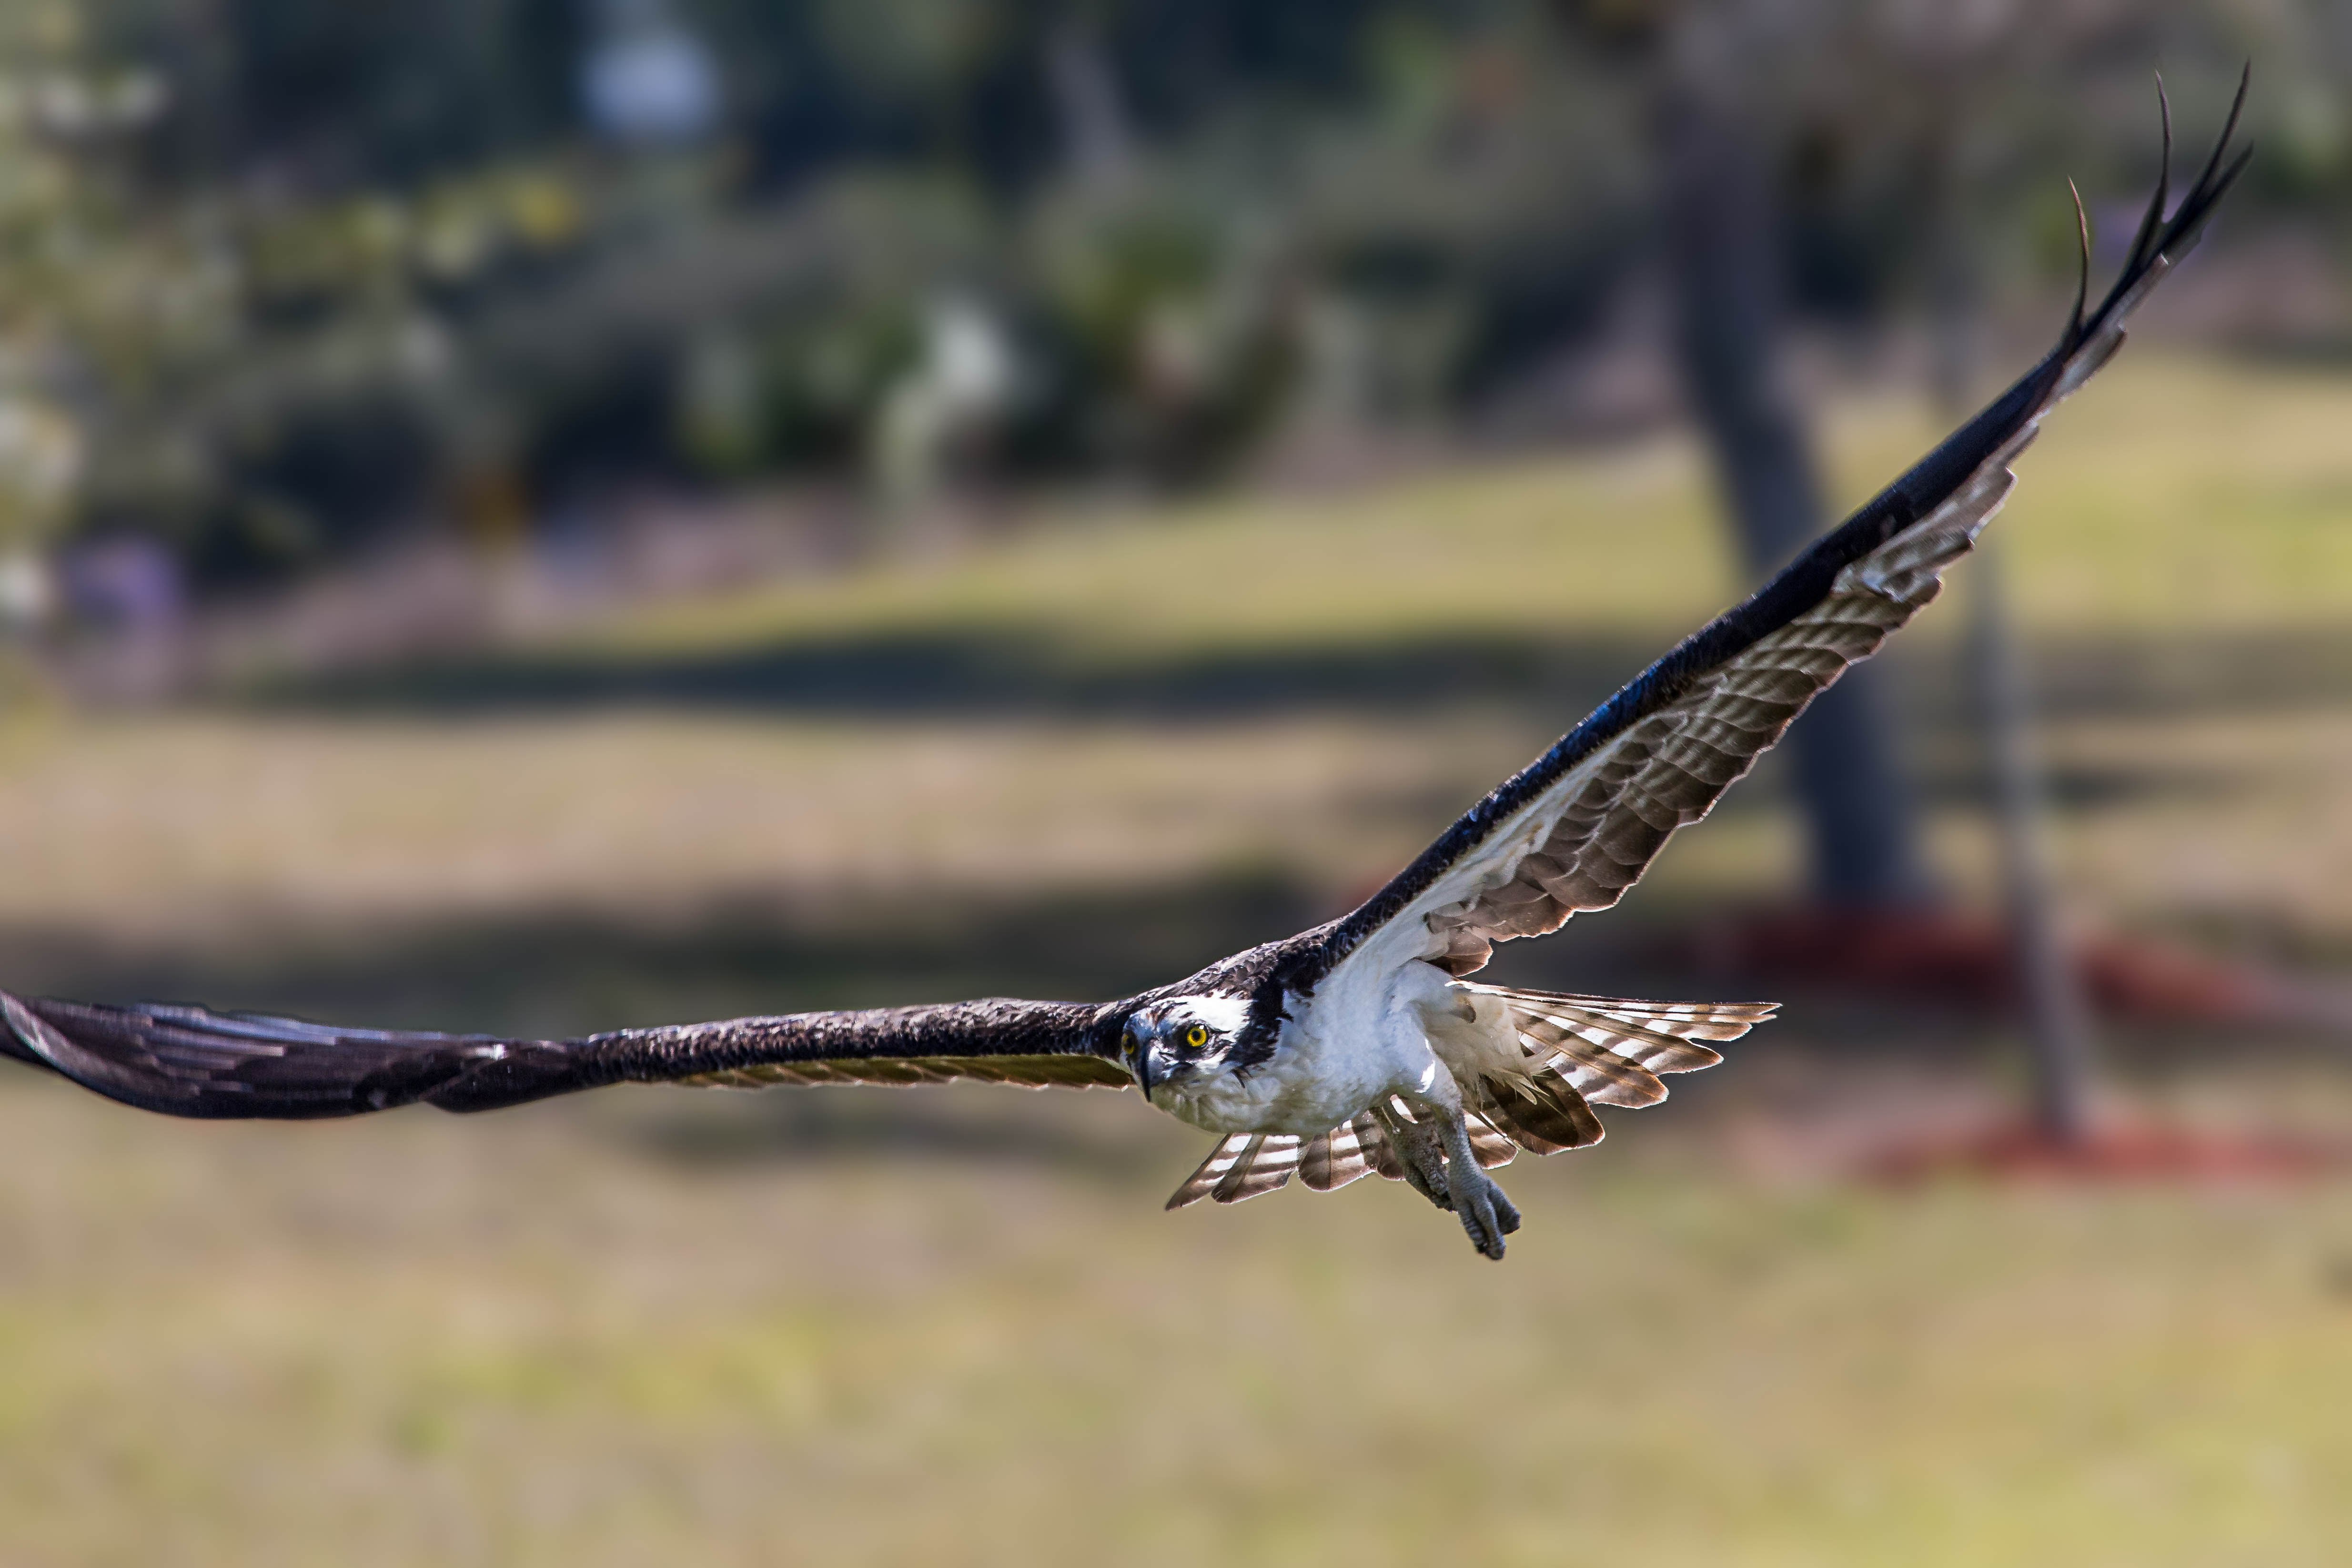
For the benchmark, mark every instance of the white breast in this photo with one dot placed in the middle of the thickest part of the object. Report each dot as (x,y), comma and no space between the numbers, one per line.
(1339,1051)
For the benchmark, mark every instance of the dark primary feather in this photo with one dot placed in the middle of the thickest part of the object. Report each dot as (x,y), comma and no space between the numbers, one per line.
(185,1061)
(1656,756)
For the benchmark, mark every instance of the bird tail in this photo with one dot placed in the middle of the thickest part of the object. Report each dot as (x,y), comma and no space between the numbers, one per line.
(1581,1051)
(1613,1049)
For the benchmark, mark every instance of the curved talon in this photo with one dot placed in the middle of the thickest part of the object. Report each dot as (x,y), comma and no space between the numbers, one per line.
(1506,1212)
(1485,1214)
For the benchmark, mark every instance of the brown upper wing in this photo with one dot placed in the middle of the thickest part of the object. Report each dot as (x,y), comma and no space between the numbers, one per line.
(1578,826)
(185,1061)
(1668,769)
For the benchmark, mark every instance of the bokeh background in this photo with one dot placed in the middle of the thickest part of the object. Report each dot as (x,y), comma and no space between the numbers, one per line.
(542,515)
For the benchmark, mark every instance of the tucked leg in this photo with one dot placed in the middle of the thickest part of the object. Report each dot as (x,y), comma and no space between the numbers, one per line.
(1420,1151)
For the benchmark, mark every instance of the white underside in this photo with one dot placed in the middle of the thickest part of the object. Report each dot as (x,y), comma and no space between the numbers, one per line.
(1414,1034)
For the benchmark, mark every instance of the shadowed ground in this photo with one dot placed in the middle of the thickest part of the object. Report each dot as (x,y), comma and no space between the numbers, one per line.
(926,1326)
(1016,675)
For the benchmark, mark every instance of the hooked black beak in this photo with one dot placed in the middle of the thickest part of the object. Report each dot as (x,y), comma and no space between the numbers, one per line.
(1138,1061)
(1153,1065)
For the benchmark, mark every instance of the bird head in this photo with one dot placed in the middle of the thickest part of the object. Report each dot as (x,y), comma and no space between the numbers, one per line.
(1181,1041)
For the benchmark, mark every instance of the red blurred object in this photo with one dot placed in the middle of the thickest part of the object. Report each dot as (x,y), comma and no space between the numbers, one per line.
(2123,1151)
(1931,954)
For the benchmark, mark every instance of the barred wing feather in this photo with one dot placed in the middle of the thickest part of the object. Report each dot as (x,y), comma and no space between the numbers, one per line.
(1578,827)
(1020,1072)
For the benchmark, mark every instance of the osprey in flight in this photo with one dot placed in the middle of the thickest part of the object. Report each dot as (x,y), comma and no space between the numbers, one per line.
(1359,1045)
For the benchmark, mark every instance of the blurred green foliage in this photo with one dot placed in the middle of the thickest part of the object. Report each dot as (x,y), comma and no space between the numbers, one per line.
(328,271)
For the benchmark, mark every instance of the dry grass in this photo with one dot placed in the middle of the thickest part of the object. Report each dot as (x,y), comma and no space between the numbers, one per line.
(533,1341)
(955,1327)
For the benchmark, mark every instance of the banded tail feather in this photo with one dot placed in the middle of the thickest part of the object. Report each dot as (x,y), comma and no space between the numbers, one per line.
(1613,1050)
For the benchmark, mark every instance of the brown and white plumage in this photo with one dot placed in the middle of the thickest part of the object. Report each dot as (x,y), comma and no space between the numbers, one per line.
(1354,1048)
(1581,1051)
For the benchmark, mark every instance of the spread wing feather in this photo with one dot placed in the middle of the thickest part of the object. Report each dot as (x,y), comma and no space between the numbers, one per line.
(1578,826)
(185,1061)
(1023,1072)
(1540,1112)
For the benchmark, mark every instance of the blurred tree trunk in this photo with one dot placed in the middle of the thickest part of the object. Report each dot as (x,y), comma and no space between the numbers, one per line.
(1092,113)
(1723,269)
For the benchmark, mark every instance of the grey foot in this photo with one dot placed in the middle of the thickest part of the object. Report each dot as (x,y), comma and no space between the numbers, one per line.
(1486,1214)
(1484,1211)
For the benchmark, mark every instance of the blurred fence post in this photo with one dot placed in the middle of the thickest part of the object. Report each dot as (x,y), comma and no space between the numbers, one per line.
(2056,1019)
(2057,1023)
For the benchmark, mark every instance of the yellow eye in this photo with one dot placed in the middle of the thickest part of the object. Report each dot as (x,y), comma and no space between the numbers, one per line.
(1197,1035)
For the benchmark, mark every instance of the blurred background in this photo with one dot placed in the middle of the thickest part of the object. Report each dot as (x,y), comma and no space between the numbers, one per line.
(537,516)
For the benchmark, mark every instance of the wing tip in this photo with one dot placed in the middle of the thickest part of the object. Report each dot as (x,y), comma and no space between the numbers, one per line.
(2082,263)
(2162,239)
(20,1033)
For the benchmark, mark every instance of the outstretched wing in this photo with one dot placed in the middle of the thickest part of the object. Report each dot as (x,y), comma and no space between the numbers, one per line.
(1579,825)
(184,1061)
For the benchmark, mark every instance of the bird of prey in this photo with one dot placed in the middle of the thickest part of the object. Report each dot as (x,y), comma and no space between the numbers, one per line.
(1360,1046)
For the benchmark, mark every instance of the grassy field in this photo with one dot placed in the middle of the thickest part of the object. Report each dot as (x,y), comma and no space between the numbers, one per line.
(954,1327)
